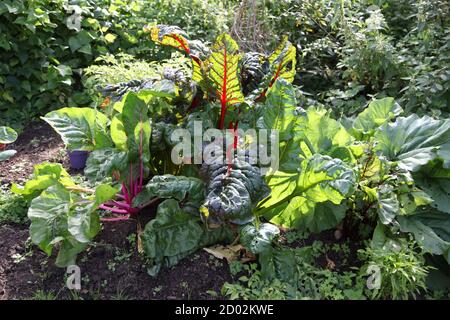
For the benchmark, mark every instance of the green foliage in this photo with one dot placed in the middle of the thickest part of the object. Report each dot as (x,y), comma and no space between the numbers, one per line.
(61,217)
(307,281)
(352,50)
(401,269)
(44,175)
(258,239)
(233,195)
(306,200)
(13,208)
(43,49)
(189,190)
(174,234)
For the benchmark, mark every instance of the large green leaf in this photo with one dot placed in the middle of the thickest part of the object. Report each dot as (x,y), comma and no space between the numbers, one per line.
(222,68)
(49,214)
(377,113)
(5,155)
(59,217)
(172,231)
(44,175)
(388,204)
(320,132)
(174,234)
(309,200)
(431,229)
(279,110)
(435,181)
(414,141)
(7,135)
(80,128)
(189,190)
(131,130)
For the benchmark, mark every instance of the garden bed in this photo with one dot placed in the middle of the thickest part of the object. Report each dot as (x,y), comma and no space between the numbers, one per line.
(111,268)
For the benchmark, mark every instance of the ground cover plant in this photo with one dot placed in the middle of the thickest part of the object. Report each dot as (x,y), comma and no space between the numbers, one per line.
(349,198)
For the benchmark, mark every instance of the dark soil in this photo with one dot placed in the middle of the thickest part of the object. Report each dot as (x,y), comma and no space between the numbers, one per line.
(111,268)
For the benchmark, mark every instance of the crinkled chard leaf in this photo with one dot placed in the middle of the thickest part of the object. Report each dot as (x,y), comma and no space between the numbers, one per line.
(174,234)
(260,239)
(189,191)
(163,88)
(232,193)
(103,162)
(254,66)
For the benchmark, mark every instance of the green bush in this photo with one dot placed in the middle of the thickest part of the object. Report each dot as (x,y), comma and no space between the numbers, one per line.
(350,51)
(43,51)
(13,207)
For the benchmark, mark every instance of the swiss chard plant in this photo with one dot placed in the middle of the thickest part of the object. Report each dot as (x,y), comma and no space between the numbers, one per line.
(130,143)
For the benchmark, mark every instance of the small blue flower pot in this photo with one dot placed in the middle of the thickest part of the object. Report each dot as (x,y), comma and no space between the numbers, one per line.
(78,159)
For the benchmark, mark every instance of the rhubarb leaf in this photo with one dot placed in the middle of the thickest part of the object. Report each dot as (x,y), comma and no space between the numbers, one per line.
(309,200)
(431,229)
(435,181)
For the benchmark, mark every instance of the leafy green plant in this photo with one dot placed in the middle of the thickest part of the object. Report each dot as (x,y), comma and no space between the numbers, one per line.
(125,145)
(13,208)
(7,136)
(400,266)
